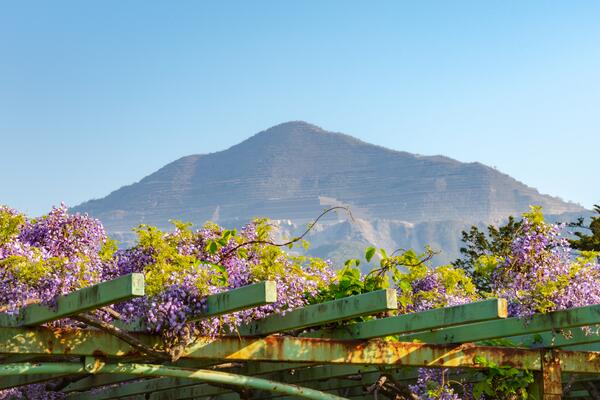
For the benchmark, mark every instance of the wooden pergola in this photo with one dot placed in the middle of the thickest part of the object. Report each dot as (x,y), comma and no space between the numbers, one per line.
(269,358)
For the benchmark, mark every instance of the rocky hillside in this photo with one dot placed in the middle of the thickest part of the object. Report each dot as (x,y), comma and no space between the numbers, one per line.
(292,171)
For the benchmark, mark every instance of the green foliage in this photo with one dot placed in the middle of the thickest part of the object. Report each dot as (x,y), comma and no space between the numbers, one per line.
(589,242)
(401,270)
(9,224)
(456,281)
(502,382)
(108,249)
(214,245)
(169,264)
(31,271)
(535,216)
(369,253)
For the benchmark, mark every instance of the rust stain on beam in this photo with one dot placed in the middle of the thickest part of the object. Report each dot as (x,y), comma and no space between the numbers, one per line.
(44,341)
(551,375)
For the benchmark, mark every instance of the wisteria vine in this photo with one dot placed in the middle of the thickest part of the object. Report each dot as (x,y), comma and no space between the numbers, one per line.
(58,253)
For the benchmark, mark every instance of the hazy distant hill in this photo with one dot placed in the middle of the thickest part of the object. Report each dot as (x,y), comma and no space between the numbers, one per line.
(292,171)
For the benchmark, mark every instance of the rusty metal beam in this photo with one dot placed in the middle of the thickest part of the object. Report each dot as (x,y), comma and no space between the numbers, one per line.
(44,341)
(273,348)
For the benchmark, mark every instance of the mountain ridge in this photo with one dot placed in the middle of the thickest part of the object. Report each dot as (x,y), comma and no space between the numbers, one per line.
(291,171)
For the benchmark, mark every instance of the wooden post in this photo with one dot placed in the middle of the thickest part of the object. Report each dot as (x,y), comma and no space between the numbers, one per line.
(548,384)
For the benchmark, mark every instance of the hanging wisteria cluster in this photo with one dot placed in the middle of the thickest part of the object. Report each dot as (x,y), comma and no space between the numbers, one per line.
(60,252)
(541,275)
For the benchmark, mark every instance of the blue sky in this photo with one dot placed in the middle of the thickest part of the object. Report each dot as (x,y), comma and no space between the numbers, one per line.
(96,95)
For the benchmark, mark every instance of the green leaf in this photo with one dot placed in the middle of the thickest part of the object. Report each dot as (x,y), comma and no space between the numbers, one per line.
(480,360)
(405,286)
(353,262)
(383,253)
(212,247)
(369,253)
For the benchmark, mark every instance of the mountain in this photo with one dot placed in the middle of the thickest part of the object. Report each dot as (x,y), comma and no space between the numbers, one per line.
(292,171)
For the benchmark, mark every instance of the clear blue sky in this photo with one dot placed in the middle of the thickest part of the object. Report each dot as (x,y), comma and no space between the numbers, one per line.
(96,95)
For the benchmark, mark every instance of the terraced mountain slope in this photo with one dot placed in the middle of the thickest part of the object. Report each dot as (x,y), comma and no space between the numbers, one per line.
(290,172)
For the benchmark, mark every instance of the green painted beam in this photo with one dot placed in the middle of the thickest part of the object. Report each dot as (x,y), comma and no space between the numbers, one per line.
(268,349)
(437,318)
(356,393)
(320,372)
(175,388)
(329,385)
(189,392)
(258,294)
(19,358)
(504,328)
(577,394)
(583,347)
(375,352)
(94,381)
(289,350)
(22,380)
(325,378)
(215,377)
(135,388)
(324,313)
(82,300)
(254,295)
(566,339)
(8,319)
(331,377)
(262,368)
(94,365)
(288,375)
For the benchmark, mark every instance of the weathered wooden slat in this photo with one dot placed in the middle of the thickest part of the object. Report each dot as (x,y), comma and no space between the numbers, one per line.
(21,380)
(135,388)
(288,374)
(578,394)
(563,339)
(94,381)
(257,294)
(323,313)
(331,377)
(330,380)
(176,388)
(463,314)
(80,301)
(504,328)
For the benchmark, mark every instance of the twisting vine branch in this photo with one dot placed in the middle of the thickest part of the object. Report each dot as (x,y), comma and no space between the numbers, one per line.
(395,261)
(291,241)
(388,387)
(121,334)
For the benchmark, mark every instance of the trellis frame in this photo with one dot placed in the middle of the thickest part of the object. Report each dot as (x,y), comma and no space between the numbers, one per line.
(265,357)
